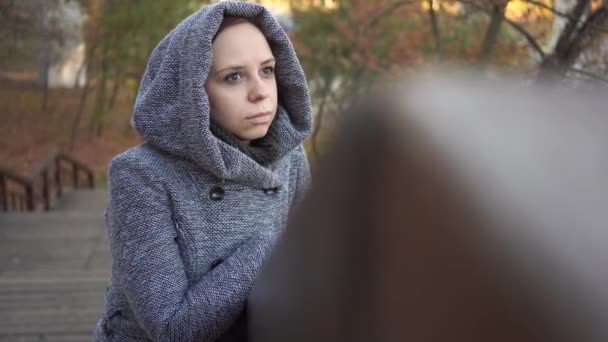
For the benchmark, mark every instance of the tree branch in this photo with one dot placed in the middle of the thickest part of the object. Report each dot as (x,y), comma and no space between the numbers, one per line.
(589,74)
(388,10)
(547,7)
(586,34)
(531,40)
(562,14)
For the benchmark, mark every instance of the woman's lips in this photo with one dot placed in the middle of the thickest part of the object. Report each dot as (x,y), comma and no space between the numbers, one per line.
(260,118)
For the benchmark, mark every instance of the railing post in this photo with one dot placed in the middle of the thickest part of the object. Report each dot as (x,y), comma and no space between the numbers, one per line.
(58,177)
(3,193)
(45,189)
(29,194)
(75,171)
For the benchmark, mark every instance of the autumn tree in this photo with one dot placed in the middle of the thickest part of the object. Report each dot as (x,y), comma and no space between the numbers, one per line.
(345,48)
(120,36)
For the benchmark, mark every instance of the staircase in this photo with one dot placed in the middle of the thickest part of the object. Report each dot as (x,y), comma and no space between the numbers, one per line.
(54,269)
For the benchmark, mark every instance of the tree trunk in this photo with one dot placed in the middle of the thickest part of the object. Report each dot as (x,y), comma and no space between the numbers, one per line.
(84,95)
(573,40)
(83,100)
(559,21)
(319,119)
(114,94)
(491,37)
(435,28)
(43,52)
(45,84)
(96,126)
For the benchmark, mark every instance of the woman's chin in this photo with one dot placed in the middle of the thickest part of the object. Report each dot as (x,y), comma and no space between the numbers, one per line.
(253,133)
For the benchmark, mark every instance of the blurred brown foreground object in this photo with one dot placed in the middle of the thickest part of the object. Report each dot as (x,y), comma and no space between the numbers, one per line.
(450,210)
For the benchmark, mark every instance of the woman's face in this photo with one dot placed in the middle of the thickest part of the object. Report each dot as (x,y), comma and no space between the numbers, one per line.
(241,85)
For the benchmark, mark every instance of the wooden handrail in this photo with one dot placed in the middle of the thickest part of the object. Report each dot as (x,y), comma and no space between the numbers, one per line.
(39,167)
(73,161)
(14,176)
(25,182)
(42,170)
(80,165)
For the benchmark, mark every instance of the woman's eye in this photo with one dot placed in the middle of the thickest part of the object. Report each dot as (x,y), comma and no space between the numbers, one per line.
(268,70)
(234,77)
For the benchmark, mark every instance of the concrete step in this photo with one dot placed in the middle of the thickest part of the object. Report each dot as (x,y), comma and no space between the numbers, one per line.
(32,296)
(64,310)
(83,337)
(38,308)
(83,201)
(54,270)
(53,241)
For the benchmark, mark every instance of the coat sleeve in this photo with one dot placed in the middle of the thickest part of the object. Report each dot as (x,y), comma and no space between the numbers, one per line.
(147,261)
(302,176)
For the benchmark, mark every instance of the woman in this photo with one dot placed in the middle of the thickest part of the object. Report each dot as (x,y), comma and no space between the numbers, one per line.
(194,211)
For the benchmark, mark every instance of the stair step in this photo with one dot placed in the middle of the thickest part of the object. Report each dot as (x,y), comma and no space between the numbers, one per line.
(82,337)
(54,270)
(83,201)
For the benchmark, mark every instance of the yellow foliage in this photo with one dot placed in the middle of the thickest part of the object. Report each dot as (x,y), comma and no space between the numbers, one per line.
(286,5)
(596,3)
(452,7)
(425,5)
(276,5)
(518,10)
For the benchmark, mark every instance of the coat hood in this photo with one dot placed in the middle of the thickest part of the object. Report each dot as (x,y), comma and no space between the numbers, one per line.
(172,108)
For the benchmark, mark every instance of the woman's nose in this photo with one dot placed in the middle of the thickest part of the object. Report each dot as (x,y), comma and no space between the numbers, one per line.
(260,90)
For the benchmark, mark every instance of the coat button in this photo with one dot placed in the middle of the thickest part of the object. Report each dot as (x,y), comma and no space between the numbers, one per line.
(217,193)
(215,263)
(271,191)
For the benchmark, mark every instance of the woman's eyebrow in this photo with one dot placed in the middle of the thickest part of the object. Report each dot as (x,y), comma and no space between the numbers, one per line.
(267,61)
(232,68)
(240,67)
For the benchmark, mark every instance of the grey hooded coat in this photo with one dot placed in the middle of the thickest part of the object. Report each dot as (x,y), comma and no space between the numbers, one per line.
(190,218)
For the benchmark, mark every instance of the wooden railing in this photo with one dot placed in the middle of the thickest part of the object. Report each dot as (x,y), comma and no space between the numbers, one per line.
(49,173)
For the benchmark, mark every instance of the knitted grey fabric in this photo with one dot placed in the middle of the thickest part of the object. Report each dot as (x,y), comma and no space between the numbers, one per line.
(190,218)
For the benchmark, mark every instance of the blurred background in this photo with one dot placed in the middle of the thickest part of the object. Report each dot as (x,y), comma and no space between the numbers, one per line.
(70,69)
